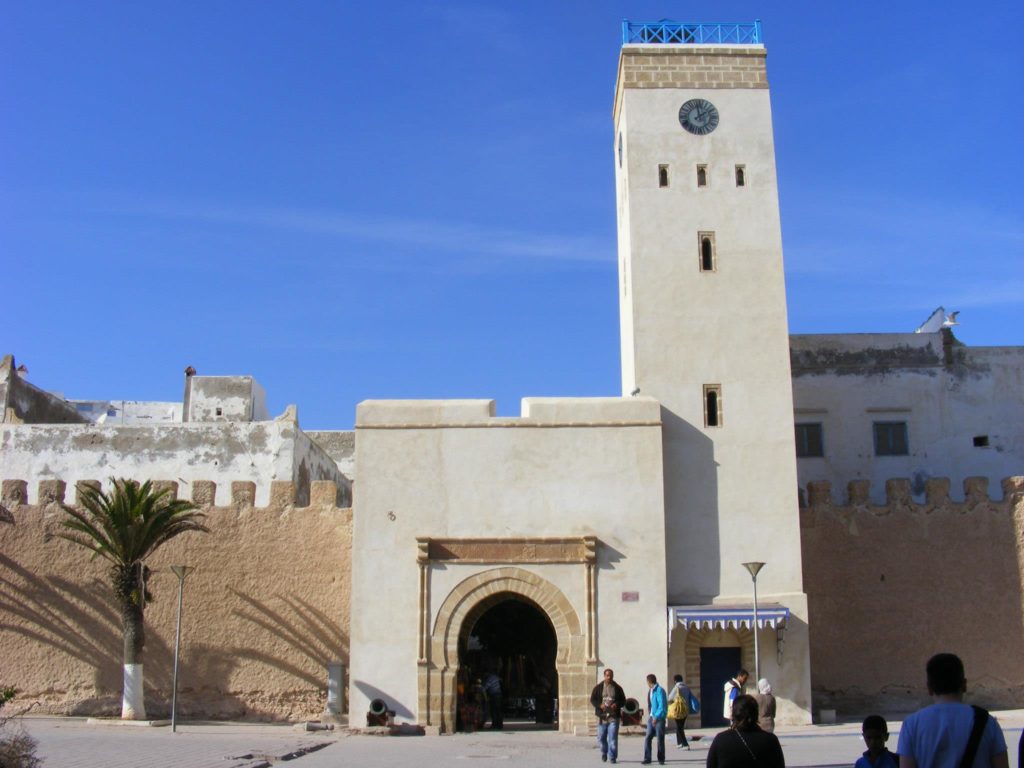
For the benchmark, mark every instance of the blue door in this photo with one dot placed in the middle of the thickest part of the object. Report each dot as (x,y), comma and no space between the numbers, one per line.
(717,667)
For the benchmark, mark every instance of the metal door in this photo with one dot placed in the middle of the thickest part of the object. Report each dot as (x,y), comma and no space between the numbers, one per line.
(717,667)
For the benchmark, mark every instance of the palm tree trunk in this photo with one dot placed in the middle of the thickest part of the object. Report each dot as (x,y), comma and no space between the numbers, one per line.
(130,591)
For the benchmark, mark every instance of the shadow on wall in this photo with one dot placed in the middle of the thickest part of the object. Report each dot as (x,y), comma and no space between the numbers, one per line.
(280,631)
(691,509)
(79,621)
(305,628)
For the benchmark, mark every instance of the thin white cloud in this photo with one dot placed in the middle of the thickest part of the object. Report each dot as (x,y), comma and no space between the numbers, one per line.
(472,247)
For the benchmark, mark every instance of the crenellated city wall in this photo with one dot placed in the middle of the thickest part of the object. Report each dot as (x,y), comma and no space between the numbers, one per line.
(890,585)
(265,610)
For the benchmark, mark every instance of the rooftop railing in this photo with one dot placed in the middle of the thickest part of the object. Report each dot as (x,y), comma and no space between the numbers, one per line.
(685,33)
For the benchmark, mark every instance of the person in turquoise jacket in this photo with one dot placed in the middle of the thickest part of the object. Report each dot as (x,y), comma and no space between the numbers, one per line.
(657,707)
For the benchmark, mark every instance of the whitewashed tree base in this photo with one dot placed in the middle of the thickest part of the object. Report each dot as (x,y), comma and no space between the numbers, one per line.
(133,706)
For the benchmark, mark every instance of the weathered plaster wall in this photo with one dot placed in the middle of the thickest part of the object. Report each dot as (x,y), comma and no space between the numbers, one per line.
(947,393)
(889,586)
(260,452)
(24,403)
(257,631)
(128,411)
(340,446)
(224,398)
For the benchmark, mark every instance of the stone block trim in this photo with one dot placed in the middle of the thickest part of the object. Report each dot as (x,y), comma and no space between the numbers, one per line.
(580,549)
(690,67)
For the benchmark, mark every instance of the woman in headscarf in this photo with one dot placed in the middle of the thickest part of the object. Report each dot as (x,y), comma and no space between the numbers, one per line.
(765,706)
(745,745)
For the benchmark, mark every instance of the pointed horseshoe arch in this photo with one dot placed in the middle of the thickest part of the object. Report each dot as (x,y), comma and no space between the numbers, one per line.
(438,672)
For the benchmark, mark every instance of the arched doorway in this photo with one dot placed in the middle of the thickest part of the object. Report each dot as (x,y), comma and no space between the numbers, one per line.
(458,613)
(509,636)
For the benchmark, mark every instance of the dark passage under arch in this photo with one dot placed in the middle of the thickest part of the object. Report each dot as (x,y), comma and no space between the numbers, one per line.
(511,637)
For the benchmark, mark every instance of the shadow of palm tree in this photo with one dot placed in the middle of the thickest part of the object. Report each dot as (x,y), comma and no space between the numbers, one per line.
(303,627)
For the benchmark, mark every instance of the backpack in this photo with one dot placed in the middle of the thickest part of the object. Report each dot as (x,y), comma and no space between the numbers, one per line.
(694,704)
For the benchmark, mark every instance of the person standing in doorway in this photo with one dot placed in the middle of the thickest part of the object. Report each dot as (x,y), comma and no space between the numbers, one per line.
(949,733)
(608,699)
(680,692)
(657,707)
(492,687)
(733,688)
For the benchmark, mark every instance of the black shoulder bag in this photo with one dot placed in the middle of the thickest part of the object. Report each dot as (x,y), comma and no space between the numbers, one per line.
(980,719)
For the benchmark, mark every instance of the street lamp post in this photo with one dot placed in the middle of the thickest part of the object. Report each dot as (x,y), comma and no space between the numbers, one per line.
(754,569)
(180,571)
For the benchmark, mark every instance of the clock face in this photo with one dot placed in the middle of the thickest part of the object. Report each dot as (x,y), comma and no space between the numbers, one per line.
(698,116)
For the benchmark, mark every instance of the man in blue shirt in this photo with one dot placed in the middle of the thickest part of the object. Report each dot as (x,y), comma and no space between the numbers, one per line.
(938,736)
(657,706)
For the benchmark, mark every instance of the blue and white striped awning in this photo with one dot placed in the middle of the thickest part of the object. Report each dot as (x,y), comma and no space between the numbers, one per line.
(728,616)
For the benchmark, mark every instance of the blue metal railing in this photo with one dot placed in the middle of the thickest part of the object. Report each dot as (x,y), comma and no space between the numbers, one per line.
(683,33)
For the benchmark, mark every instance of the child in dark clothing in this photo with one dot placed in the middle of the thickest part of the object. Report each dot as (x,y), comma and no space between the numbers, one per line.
(876,732)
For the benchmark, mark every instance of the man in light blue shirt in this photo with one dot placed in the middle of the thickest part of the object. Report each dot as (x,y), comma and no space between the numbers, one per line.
(657,707)
(939,736)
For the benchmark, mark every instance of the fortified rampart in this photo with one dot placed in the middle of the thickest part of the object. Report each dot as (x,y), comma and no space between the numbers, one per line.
(888,586)
(265,610)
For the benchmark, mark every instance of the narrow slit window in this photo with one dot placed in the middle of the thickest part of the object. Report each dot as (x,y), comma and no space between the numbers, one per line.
(741,176)
(712,405)
(706,245)
(620,150)
(662,175)
(702,175)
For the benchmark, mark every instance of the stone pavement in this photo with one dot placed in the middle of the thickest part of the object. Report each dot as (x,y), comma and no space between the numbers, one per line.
(71,743)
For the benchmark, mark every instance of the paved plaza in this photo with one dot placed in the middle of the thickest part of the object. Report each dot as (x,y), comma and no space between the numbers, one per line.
(72,743)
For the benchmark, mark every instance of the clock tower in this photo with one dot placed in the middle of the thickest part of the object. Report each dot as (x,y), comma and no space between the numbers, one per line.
(704,330)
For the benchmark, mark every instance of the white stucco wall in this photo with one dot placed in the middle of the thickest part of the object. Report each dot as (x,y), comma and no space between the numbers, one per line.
(853,380)
(570,467)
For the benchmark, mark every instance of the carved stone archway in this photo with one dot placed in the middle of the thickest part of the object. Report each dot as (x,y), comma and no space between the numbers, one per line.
(438,671)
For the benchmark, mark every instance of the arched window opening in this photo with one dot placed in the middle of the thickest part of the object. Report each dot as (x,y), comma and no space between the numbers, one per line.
(741,176)
(702,175)
(707,252)
(662,175)
(712,405)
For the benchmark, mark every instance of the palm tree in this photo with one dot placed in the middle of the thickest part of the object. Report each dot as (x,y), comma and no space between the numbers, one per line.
(125,526)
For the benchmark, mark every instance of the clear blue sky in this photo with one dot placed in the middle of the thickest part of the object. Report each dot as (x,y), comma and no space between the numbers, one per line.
(415,199)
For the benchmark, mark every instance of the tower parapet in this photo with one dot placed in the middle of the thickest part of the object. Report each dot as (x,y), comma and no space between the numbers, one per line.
(691,33)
